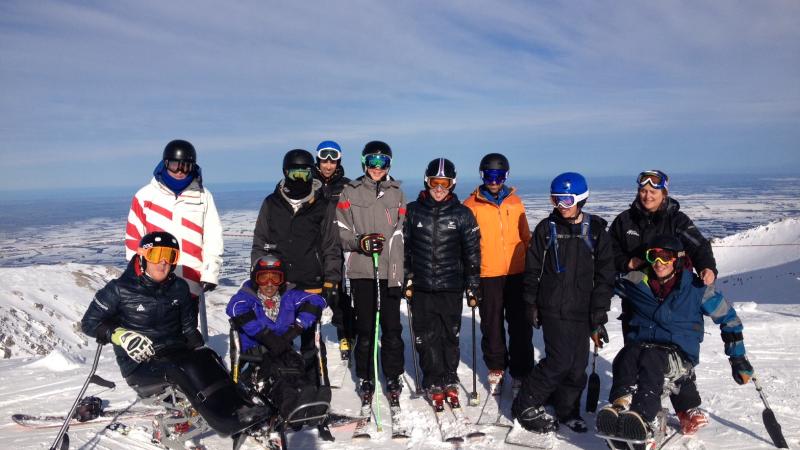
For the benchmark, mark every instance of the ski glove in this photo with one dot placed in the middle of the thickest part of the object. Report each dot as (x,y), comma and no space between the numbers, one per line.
(208,287)
(408,292)
(599,335)
(276,345)
(473,295)
(532,314)
(371,243)
(138,346)
(293,331)
(741,368)
(331,293)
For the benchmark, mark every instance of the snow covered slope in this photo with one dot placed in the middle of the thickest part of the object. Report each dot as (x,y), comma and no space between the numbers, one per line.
(41,305)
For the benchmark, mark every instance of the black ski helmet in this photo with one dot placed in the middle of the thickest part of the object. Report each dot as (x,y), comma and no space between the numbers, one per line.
(377,147)
(494,161)
(669,242)
(270,261)
(441,168)
(179,150)
(297,158)
(157,239)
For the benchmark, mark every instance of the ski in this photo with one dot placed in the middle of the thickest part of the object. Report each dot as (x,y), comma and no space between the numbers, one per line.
(490,411)
(364,421)
(518,435)
(468,429)
(337,369)
(108,415)
(400,430)
(505,418)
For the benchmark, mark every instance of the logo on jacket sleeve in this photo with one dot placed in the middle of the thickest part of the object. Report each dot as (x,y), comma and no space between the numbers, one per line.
(174,301)
(633,233)
(419,224)
(451,225)
(140,308)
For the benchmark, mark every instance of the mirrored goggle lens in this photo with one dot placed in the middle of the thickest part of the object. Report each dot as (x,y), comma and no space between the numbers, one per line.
(329,153)
(299,174)
(157,254)
(662,255)
(179,166)
(377,161)
(655,178)
(563,201)
(440,182)
(266,277)
(494,176)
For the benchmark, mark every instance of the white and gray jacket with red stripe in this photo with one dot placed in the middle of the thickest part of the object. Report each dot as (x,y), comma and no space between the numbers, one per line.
(191,217)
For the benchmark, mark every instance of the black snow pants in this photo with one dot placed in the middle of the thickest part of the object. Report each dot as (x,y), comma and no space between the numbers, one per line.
(391,354)
(638,369)
(561,374)
(502,298)
(342,318)
(437,323)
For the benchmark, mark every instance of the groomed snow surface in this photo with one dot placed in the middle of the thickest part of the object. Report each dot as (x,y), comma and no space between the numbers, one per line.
(40,307)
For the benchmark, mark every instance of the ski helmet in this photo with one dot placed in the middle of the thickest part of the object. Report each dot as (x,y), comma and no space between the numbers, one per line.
(297,158)
(159,239)
(494,161)
(329,150)
(667,242)
(568,189)
(441,168)
(180,150)
(269,262)
(376,148)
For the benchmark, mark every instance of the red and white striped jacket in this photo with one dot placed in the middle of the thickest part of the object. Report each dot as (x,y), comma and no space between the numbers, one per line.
(191,217)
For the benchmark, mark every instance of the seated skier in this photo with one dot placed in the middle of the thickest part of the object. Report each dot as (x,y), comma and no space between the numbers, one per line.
(148,315)
(668,305)
(268,318)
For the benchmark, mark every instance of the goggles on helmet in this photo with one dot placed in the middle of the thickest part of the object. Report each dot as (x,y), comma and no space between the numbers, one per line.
(655,178)
(157,254)
(662,255)
(179,166)
(494,176)
(273,277)
(439,182)
(564,200)
(329,153)
(377,161)
(299,173)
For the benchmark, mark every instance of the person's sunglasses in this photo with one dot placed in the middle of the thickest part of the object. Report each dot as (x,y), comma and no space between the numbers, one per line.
(494,176)
(377,161)
(662,255)
(655,178)
(299,174)
(157,254)
(329,153)
(179,166)
(267,277)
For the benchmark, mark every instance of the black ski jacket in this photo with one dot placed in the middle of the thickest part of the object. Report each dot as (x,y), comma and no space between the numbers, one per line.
(161,311)
(307,241)
(584,287)
(332,188)
(442,244)
(635,227)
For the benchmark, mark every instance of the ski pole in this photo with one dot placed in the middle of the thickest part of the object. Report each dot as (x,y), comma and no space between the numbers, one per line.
(375,261)
(770,422)
(62,436)
(474,400)
(413,348)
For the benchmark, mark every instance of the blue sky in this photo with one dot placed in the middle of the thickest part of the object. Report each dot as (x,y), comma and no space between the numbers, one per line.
(92,91)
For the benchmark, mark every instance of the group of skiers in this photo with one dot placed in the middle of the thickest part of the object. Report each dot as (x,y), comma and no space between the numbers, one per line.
(322,240)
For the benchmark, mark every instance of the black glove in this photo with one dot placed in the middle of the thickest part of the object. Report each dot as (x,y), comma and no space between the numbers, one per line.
(208,287)
(532,314)
(473,294)
(599,335)
(598,317)
(194,339)
(371,243)
(331,293)
(276,345)
(294,360)
(293,331)
(741,368)
(408,292)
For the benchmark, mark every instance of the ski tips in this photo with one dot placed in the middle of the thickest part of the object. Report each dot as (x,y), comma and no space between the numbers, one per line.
(773,428)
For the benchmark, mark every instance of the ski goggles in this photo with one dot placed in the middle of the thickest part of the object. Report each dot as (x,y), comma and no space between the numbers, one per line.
(662,255)
(157,254)
(269,277)
(377,161)
(299,174)
(494,176)
(655,178)
(179,166)
(329,153)
(439,182)
(564,200)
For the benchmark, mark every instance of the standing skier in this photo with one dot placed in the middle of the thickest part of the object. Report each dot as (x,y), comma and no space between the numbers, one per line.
(330,173)
(370,215)
(176,201)
(667,306)
(569,281)
(442,261)
(147,314)
(504,240)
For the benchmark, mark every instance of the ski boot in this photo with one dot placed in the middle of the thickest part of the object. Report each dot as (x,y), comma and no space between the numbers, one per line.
(641,434)
(394,389)
(495,380)
(692,420)
(536,420)
(344,349)
(451,396)
(435,396)
(607,416)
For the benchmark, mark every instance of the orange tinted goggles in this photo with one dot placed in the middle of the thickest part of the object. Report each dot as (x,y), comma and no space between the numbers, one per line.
(444,183)
(266,277)
(157,254)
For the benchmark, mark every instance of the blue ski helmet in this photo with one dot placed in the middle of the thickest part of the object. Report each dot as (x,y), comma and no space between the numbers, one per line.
(570,184)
